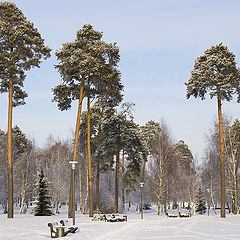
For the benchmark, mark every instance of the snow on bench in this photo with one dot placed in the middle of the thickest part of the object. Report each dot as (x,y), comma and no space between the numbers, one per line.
(56,230)
(71,229)
(109,218)
(171,215)
(181,215)
(116,218)
(184,215)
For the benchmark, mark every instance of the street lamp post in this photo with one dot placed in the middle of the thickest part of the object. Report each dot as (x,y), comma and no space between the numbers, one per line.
(141,200)
(73,189)
(208,191)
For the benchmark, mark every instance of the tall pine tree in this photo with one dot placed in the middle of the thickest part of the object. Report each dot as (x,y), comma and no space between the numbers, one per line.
(216,72)
(21,48)
(88,67)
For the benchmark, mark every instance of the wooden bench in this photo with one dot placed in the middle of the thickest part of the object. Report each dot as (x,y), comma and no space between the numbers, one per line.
(115,218)
(184,215)
(171,215)
(99,217)
(57,231)
(71,229)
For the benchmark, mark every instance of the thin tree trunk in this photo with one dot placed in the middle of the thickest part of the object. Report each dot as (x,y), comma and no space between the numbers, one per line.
(89,155)
(97,186)
(24,185)
(143,171)
(10,167)
(22,193)
(223,214)
(58,194)
(123,190)
(213,203)
(86,198)
(236,182)
(80,190)
(158,207)
(116,183)
(230,184)
(70,206)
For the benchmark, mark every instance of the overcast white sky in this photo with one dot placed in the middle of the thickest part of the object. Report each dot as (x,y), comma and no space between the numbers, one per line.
(159,41)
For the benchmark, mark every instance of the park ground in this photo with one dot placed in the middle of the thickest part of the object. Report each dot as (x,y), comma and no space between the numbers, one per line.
(29,227)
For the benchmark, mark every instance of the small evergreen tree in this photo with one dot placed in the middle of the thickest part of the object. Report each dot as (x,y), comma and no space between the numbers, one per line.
(42,207)
(201,205)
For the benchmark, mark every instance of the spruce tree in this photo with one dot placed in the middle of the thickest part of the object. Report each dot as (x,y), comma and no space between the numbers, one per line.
(42,207)
(216,72)
(21,48)
(201,205)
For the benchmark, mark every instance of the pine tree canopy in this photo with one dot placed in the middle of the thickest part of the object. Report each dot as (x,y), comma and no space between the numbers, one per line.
(235,134)
(21,142)
(215,71)
(149,132)
(88,59)
(21,48)
(183,151)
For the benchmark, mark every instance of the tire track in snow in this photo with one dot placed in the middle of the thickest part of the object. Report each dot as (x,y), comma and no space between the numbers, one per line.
(121,233)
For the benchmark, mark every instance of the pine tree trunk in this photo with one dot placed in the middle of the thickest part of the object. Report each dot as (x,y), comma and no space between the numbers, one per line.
(86,198)
(123,190)
(116,183)
(89,155)
(223,215)
(236,182)
(10,167)
(70,206)
(97,186)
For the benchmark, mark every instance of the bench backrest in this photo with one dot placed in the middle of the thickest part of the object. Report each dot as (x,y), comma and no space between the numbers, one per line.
(64,222)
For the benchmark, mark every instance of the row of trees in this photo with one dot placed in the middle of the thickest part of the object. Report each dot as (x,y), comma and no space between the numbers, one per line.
(170,176)
(119,156)
(88,69)
(211,165)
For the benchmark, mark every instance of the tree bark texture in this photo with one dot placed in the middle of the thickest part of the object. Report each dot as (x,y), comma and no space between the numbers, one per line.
(80,190)
(222,168)
(70,203)
(116,183)
(97,186)
(89,155)
(10,167)
(86,197)
(24,185)
(70,206)
(123,190)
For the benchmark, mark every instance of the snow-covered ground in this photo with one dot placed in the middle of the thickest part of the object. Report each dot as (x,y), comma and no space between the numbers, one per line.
(27,226)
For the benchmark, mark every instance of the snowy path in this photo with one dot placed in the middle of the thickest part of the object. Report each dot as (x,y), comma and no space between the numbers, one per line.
(28,227)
